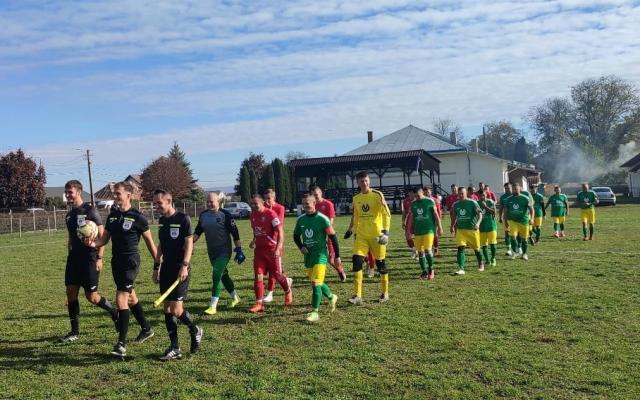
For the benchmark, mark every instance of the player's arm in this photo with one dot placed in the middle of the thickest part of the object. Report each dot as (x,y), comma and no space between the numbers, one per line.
(452,217)
(99,262)
(151,246)
(531,214)
(353,223)
(157,262)
(386,216)
(595,198)
(198,231)
(503,217)
(101,240)
(436,217)
(280,244)
(499,208)
(479,215)
(188,250)
(566,205)
(297,239)
(331,234)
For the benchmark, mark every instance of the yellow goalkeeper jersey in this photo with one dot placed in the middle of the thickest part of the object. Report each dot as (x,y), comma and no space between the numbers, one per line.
(370,214)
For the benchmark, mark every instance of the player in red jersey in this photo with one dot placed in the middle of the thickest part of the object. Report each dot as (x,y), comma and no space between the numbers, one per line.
(326,207)
(406,213)
(270,202)
(452,198)
(436,239)
(268,238)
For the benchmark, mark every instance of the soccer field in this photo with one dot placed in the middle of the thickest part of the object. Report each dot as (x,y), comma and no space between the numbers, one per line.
(565,324)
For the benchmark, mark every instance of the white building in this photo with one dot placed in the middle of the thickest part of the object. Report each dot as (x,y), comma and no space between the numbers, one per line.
(459,164)
(633,166)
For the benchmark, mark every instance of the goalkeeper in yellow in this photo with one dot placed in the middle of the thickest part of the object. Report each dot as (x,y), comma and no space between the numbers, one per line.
(370,223)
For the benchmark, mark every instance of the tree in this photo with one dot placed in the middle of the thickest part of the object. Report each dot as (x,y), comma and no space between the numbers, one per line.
(253,182)
(294,155)
(521,150)
(500,139)
(244,185)
(446,126)
(21,181)
(166,173)
(281,176)
(268,179)
(254,162)
(196,193)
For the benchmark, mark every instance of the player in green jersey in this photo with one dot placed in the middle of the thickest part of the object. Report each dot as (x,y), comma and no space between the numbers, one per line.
(538,214)
(424,223)
(559,211)
(488,228)
(518,214)
(310,235)
(501,203)
(587,200)
(466,217)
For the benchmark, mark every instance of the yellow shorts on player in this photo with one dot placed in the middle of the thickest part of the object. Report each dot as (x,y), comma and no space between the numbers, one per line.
(316,274)
(518,229)
(487,238)
(588,215)
(424,242)
(559,220)
(362,246)
(468,237)
(537,221)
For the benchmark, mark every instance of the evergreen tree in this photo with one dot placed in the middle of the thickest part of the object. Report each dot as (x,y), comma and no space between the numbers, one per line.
(244,185)
(253,182)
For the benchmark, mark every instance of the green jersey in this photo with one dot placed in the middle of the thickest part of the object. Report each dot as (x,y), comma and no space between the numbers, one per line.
(538,205)
(503,199)
(466,213)
(313,230)
(422,211)
(524,192)
(558,205)
(518,209)
(587,199)
(488,223)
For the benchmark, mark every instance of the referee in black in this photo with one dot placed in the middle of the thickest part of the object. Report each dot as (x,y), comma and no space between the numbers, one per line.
(172,263)
(83,263)
(124,226)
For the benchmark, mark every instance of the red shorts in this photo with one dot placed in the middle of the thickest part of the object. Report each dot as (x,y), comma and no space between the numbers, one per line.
(264,262)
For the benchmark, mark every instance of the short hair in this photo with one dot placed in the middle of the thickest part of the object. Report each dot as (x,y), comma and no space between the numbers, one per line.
(257,196)
(460,188)
(310,196)
(269,191)
(516,184)
(313,187)
(556,187)
(507,184)
(162,193)
(73,184)
(415,189)
(124,185)
(362,174)
(453,185)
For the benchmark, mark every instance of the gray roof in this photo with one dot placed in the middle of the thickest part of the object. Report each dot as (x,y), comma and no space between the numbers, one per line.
(408,138)
(58,191)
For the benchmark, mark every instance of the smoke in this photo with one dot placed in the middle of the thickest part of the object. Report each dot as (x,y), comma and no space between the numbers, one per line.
(626,152)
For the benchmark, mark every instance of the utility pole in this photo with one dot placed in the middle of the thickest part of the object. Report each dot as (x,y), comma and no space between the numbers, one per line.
(93,203)
(484,136)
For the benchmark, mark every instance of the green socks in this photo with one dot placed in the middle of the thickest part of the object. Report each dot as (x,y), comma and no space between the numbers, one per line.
(423,263)
(460,257)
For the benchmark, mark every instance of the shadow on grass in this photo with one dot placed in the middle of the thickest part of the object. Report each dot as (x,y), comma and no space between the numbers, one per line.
(34,359)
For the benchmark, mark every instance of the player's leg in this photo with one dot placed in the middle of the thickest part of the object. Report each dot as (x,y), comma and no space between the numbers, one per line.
(73,309)
(360,254)
(493,245)
(514,239)
(271,284)
(219,266)
(90,284)
(259,269)
(130,274)
(428,254)
(339,269)
(474,243)
(592,221)
(410,242)
(507,240)
(274,266)
(316,275)
(380,253)
(177,298)
(420,243)
(561,222)
(523,232)
(585,218)
(556,227)
(461,243)
(230,287)
(436,245)
(484,243)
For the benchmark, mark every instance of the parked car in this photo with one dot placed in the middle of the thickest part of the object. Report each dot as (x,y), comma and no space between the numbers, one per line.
(34,209)
(104,204)
(605,195)
(238,209)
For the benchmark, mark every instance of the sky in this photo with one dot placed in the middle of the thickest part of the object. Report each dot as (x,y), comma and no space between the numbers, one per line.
(222,78)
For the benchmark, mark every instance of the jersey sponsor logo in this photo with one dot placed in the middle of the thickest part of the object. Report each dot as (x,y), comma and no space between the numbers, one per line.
(218,219)
(420,211)
(308,233)
(174,233)
(516,206)
(365,208)
(258,231)
(462,212)
(127,224)
(80,219)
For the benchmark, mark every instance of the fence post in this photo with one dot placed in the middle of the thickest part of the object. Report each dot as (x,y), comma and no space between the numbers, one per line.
(11,221)
(195,209)
(49,224)
(34,220)
(184,207)
(20,225)
(55,219)
(153,216)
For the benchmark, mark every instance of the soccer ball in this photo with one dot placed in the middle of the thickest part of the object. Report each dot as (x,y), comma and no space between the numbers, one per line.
(88,230)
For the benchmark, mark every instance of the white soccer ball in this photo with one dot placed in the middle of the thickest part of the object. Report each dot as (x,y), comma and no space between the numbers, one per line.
(88,230)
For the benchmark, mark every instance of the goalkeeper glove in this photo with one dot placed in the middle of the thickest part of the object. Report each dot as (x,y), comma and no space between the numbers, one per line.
(240,257)
(384,237)
(348,234)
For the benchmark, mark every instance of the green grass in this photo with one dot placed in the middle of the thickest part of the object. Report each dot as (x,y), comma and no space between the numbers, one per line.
(566,324)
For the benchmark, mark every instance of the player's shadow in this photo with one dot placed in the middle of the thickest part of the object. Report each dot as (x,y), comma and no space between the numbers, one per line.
(37,316)
(40,360)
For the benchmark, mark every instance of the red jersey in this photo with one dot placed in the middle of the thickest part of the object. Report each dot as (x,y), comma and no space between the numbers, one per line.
(438,205)
(265,229)
(406,205)
(450,200)
(491,195)
(326,207)
(279,209)
(474,196)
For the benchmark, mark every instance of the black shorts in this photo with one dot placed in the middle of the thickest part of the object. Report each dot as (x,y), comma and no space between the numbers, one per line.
(168,275)
(125,270)
(81,271)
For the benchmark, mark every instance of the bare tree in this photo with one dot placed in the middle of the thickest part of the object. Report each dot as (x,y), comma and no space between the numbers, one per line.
(445,126)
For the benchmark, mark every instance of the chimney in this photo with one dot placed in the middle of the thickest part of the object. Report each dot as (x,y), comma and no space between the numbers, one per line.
(369,136)
(452,136)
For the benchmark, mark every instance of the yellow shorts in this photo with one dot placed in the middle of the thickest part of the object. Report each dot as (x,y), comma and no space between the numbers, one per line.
(537,221)
(316,273)
(487,238)
(363,246)
(518,229)
(559,220)
(468,237)
(424,242)
(588,216)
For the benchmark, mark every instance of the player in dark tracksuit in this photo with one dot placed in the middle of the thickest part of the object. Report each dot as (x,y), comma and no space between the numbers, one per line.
(124,227)
(83,263)
(172,262)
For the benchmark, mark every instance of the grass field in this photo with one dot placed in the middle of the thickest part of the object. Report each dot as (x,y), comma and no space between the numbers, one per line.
(565,324)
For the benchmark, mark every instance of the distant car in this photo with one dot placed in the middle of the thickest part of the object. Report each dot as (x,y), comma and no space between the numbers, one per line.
(104,203)
(34,209)
(605,195)
(238,209)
